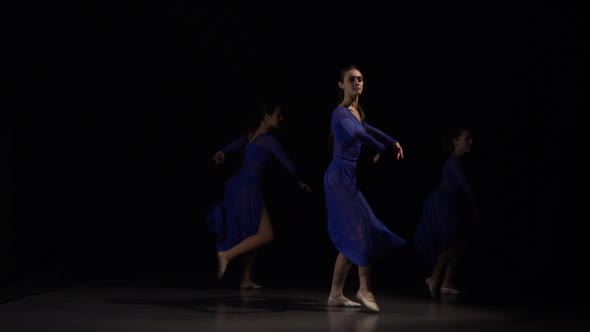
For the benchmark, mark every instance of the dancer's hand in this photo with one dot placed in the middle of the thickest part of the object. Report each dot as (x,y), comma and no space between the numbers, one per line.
(303,186)
(219,157)
(377,157)
(399,152)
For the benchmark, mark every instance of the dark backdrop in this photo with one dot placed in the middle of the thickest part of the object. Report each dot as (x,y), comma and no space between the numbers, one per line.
(121,107)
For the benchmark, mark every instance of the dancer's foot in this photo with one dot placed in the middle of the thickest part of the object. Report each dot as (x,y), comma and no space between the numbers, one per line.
(249,285)
(431,287)
(368,300)
(222,262)
(341,301)
(450,290)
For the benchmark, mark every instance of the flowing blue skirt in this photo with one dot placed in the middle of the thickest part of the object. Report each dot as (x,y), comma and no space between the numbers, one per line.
(442,225)
(353,227)
(238,216)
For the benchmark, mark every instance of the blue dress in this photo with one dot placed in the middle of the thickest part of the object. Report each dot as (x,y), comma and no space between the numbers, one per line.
(238,216)
(446,213)
(353,227)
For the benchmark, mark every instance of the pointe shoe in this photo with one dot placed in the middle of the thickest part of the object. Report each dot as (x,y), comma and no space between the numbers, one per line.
(371,305)
(449,291)
(333,302)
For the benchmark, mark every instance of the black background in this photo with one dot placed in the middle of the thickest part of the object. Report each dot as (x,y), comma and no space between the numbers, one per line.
(120,108)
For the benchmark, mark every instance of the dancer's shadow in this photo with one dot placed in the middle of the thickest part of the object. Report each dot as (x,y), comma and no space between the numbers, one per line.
(248,302)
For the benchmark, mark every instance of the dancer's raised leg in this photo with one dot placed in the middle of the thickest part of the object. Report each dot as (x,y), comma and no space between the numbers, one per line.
(264,236)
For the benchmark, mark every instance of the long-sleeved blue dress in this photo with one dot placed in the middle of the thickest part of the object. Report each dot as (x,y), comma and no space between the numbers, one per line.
(238,216)
(446,212)
(353,227)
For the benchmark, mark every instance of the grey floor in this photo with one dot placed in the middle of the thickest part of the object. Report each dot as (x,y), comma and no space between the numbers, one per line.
(108,306)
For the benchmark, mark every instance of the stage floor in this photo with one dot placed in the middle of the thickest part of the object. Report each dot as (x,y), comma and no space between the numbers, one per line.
(117,306)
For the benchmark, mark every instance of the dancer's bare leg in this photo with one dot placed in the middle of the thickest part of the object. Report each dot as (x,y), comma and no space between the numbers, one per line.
(249,259)
(365,294)
(434,281)
(448,281)
(365,283)
(264,236)
(341,268)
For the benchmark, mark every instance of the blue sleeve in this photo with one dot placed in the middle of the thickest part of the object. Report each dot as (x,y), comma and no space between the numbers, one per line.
(376,132)
(235,144)
(277,150)
(345,119)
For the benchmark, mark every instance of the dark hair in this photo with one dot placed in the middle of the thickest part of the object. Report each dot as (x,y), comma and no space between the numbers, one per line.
(263,108)
(447,145)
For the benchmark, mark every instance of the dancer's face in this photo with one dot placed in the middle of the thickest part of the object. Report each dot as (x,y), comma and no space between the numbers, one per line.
(463,143)
(353,83)
(274,120)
